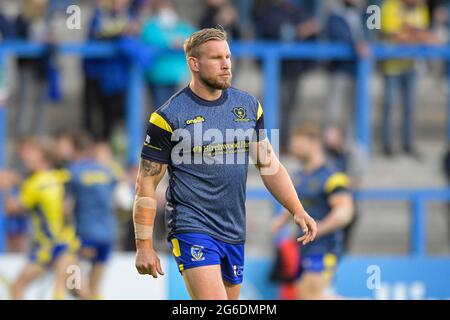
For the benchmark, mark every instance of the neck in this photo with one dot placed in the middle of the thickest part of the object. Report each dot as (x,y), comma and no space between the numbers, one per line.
(204,91)
(314,162)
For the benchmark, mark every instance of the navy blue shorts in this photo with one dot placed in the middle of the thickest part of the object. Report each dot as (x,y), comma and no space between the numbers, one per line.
(193,250)
(95,251)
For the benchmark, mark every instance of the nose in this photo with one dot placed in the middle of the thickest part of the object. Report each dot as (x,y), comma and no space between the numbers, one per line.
(226,64)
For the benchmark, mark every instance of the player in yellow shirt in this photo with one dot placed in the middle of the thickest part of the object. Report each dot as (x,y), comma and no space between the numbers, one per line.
(41,193)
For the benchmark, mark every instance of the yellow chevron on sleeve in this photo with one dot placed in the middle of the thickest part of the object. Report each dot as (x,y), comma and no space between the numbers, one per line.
(260,111)
(335,181)
(160,122)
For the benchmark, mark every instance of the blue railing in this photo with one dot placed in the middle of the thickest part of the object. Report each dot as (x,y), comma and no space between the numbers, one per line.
(416,198)
(270,53)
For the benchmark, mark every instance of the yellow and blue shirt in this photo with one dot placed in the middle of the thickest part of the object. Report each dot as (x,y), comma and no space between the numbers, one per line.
(42,193)
(92,186)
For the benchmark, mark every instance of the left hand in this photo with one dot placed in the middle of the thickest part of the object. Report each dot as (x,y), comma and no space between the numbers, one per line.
(308,226)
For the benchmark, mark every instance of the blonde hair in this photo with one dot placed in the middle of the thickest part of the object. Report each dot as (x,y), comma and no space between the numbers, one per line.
(192,44)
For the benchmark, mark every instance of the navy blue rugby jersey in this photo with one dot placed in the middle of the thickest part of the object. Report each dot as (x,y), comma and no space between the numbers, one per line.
(206,146)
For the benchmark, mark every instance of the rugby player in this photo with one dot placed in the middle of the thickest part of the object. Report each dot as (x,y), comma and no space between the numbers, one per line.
(205,209)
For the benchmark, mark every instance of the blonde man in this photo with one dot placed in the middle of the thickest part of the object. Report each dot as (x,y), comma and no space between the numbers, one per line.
(205,208)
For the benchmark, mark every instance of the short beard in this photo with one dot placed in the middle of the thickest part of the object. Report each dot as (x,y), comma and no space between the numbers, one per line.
(215,83)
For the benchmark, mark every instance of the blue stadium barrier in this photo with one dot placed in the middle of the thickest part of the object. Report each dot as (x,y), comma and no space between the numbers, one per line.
(416,198)
(270,54)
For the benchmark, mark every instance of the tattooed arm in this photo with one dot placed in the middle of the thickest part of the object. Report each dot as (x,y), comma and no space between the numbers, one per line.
(144,212)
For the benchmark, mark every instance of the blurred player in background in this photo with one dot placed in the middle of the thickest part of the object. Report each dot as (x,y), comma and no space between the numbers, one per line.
(104,155)
(91,187)
(205,207)
(325,195)
(346,158)
(42,193)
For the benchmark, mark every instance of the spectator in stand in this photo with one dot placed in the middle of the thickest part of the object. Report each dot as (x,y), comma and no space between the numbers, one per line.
(106,79)
(344,25)
(223,13)
(402,22)
(283,21)
(35,73)
(166,30)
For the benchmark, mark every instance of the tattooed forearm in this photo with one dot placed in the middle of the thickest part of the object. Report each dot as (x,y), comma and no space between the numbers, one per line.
(148,168)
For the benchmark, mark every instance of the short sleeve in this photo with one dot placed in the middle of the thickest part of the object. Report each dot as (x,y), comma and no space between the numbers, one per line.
(337,182)
(260,132)
(157,145)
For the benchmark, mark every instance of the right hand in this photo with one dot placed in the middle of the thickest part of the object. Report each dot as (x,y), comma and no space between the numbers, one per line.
(147,262)
(308,226)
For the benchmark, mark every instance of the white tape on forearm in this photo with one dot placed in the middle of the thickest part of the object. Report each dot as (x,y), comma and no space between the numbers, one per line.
(145,202)
(143,232)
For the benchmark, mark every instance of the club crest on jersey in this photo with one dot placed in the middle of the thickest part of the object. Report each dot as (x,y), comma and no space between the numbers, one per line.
(241,114)
(197,119)
(197,253)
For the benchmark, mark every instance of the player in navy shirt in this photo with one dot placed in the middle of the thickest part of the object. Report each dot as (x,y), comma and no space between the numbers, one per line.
(204,136)
(324,191)
(91,186)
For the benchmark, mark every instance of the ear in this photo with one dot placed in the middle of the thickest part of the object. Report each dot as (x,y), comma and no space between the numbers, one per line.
(193,64)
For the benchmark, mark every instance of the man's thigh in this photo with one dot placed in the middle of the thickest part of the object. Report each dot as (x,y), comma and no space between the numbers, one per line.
(205,283)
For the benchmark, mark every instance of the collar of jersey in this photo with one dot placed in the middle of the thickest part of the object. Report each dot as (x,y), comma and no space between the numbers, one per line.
(209,103)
